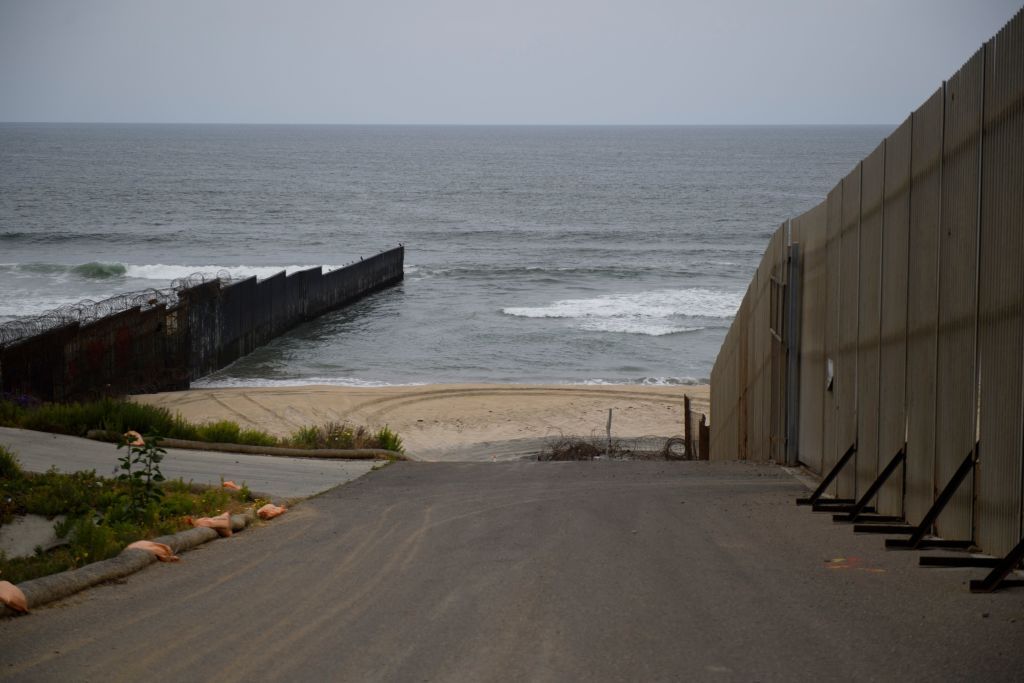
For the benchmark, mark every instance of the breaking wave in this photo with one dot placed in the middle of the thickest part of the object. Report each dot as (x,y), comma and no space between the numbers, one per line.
(653,313)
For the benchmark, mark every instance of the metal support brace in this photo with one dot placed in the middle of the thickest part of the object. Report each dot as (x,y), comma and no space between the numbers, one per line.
(869,519)
(843,505)
(883,529)
(958,561)
(862,504)
(829,478)
(836,505)
(997,577)
(916,539)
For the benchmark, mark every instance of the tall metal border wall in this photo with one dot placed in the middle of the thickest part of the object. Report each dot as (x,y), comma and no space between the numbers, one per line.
(163,349)
(908,332)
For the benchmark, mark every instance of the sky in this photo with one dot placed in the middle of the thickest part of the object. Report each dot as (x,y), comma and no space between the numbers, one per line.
(484,62)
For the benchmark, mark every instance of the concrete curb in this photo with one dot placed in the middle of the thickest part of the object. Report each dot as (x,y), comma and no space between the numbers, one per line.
(325,453)
(54,587)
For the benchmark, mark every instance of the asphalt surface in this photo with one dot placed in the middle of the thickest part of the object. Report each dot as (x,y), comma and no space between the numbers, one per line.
(276,477)
(534,571)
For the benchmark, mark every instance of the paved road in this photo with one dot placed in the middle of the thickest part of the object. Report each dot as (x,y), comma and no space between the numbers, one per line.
(534,571)
(280,478)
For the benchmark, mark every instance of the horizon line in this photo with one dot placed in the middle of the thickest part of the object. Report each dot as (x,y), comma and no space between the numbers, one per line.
(438,125)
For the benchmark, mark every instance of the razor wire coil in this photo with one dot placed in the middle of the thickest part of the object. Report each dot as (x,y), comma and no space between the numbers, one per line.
(89,310)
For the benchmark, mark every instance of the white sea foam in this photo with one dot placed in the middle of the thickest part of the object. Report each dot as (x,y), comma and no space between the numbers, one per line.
(227,382)
(646,381)
(654,313)
(160,271)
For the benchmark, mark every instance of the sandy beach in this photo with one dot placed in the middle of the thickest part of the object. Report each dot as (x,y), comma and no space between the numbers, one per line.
(451,421)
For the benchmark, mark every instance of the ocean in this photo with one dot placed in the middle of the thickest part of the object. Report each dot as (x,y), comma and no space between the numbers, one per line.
(533,254)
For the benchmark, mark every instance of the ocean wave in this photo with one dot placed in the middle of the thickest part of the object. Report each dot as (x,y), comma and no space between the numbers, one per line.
(536,272)
(241,382)
(654,313)
(99,271)
(647,382)
(110,237)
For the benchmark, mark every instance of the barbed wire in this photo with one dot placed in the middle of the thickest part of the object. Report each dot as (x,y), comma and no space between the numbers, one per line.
(88,310)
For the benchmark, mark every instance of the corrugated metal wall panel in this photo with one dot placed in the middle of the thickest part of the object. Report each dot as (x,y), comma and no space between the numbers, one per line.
(757,406)
(958,271)
(743,375)
(716,399)
(810,231)
(770,350)
(834,247)
(922,305)
(846,356)
(892,426)
(753,413)
(778,386)
(725,396)
(729,448)
(869,317)
(1001,297)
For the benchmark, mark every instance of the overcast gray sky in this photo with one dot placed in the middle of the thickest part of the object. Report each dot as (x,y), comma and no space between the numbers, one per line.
(478,61)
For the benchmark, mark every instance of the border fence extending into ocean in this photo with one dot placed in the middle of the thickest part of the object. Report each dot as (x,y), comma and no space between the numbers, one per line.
(881,341)
(161,341)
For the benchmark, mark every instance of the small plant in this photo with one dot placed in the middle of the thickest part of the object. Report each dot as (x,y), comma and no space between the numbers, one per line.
(9,467)
(255,437)
(222,431)
(306,437)
(341,435)
(389,440)
(329,435)
(142,480)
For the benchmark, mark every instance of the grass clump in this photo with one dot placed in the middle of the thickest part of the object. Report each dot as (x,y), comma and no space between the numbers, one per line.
(9,465)
(222,431)
(389,440)
(341,435)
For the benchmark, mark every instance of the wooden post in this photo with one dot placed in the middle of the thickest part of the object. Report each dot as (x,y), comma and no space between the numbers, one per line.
(704,447)
(687,431)
(608,431)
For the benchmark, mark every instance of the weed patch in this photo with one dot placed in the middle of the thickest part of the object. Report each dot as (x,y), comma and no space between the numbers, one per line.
(102,516)
(118,416)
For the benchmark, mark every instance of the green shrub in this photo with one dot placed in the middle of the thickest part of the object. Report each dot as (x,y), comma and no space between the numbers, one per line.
(10,413)
(341,436)
(306,437)
(92,542)
(255,437)
(9,466)
(222,431)
(389,440)
(54,493)
(109,414)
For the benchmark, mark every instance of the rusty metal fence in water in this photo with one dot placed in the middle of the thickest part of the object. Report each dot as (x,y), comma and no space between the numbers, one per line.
(881,341)
(160,340)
